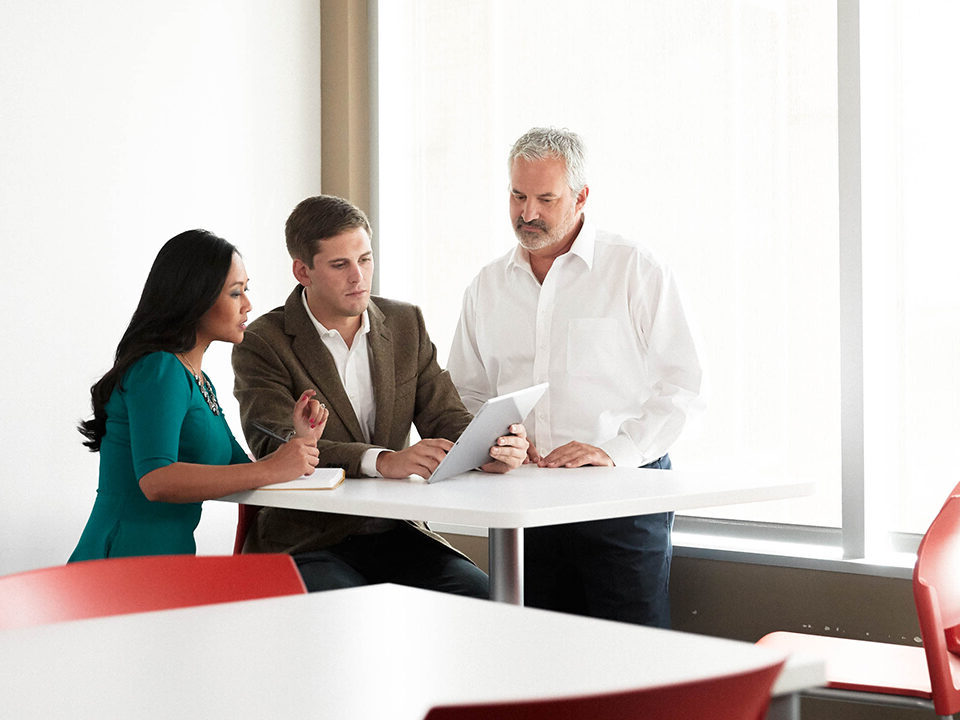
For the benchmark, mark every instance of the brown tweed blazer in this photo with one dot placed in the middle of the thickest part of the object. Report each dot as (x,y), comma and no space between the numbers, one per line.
(282,355)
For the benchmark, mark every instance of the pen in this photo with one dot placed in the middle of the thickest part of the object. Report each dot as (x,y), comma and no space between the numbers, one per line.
(268,431)
(276,436)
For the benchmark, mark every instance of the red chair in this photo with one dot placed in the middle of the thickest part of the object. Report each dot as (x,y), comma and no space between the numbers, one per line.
(741,696)
(245,517)
(886,674)
(96,588)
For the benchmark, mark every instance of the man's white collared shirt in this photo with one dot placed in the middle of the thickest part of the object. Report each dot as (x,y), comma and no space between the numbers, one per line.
(353,367)
(606,329)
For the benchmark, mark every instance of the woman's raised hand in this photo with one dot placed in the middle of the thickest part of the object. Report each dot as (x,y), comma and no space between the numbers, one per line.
(299,455)
(309,416)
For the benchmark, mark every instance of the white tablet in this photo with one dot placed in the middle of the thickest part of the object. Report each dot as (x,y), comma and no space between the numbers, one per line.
(492,420)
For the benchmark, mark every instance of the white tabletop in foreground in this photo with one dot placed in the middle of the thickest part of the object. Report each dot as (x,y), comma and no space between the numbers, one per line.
(531,496)
(375,652)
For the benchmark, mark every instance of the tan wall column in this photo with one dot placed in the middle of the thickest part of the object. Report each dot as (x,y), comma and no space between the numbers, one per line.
(345,88)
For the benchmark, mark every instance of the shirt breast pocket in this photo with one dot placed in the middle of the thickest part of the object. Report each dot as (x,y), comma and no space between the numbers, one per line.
(593,347)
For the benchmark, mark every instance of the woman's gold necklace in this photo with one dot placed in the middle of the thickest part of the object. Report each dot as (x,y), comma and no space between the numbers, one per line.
(206,389)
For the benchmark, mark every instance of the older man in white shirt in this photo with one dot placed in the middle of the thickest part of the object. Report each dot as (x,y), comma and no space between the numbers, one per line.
(600,320)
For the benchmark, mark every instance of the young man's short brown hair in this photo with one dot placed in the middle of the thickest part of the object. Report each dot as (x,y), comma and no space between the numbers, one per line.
(318,218)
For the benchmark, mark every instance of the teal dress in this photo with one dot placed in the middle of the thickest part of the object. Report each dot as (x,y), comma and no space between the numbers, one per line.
(158,417)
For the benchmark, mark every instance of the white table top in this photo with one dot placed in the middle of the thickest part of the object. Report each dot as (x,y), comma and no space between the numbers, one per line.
(376,652)
(532,497)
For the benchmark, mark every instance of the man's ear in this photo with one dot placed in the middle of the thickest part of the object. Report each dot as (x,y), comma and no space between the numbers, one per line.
(582,198)
(300,272)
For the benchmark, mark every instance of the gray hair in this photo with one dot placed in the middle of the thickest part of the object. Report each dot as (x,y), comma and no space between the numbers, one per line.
(539,143)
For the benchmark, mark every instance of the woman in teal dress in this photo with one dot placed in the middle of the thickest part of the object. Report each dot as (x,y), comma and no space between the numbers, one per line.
(163,441)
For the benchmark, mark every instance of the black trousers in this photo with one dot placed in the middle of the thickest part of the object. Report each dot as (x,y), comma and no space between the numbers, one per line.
(617,569)
(403,555)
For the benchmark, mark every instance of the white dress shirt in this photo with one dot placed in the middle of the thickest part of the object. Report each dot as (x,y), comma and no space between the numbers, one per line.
(607,331)
(353,367)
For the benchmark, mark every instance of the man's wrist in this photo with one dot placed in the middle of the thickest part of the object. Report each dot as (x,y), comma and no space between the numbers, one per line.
(370,462)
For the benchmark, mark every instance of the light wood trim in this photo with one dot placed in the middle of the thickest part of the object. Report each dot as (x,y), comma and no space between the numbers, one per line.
(345,93)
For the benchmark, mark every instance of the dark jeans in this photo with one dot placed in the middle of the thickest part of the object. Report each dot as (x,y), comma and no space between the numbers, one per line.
(404,556)
(618,569)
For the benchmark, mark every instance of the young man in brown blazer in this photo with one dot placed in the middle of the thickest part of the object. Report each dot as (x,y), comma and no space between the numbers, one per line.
(373,365)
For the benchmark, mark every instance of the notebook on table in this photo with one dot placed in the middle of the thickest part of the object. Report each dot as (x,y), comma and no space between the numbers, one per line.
(319,479)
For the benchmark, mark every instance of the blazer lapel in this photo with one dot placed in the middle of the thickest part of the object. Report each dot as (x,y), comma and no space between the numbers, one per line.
(318,363)
(382,373)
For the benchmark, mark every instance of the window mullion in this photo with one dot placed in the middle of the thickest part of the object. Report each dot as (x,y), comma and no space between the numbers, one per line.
(854,501)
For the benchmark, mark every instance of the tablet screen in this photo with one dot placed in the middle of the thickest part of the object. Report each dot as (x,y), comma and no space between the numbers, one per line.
(491,421)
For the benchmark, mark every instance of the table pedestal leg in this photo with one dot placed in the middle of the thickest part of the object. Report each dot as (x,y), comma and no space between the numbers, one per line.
(784,707)
(506,565)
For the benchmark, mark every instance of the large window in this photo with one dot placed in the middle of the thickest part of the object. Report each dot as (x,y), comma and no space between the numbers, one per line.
(911,150)
(712,132)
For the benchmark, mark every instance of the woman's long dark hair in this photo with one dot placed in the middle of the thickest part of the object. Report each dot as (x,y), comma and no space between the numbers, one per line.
(185,281)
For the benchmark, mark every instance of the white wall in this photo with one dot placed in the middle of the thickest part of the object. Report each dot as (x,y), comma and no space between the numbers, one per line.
(123,123)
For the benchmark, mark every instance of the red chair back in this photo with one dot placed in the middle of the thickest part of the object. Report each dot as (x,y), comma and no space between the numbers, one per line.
(96,588)
(245,517)
(936,592)
(741,696)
